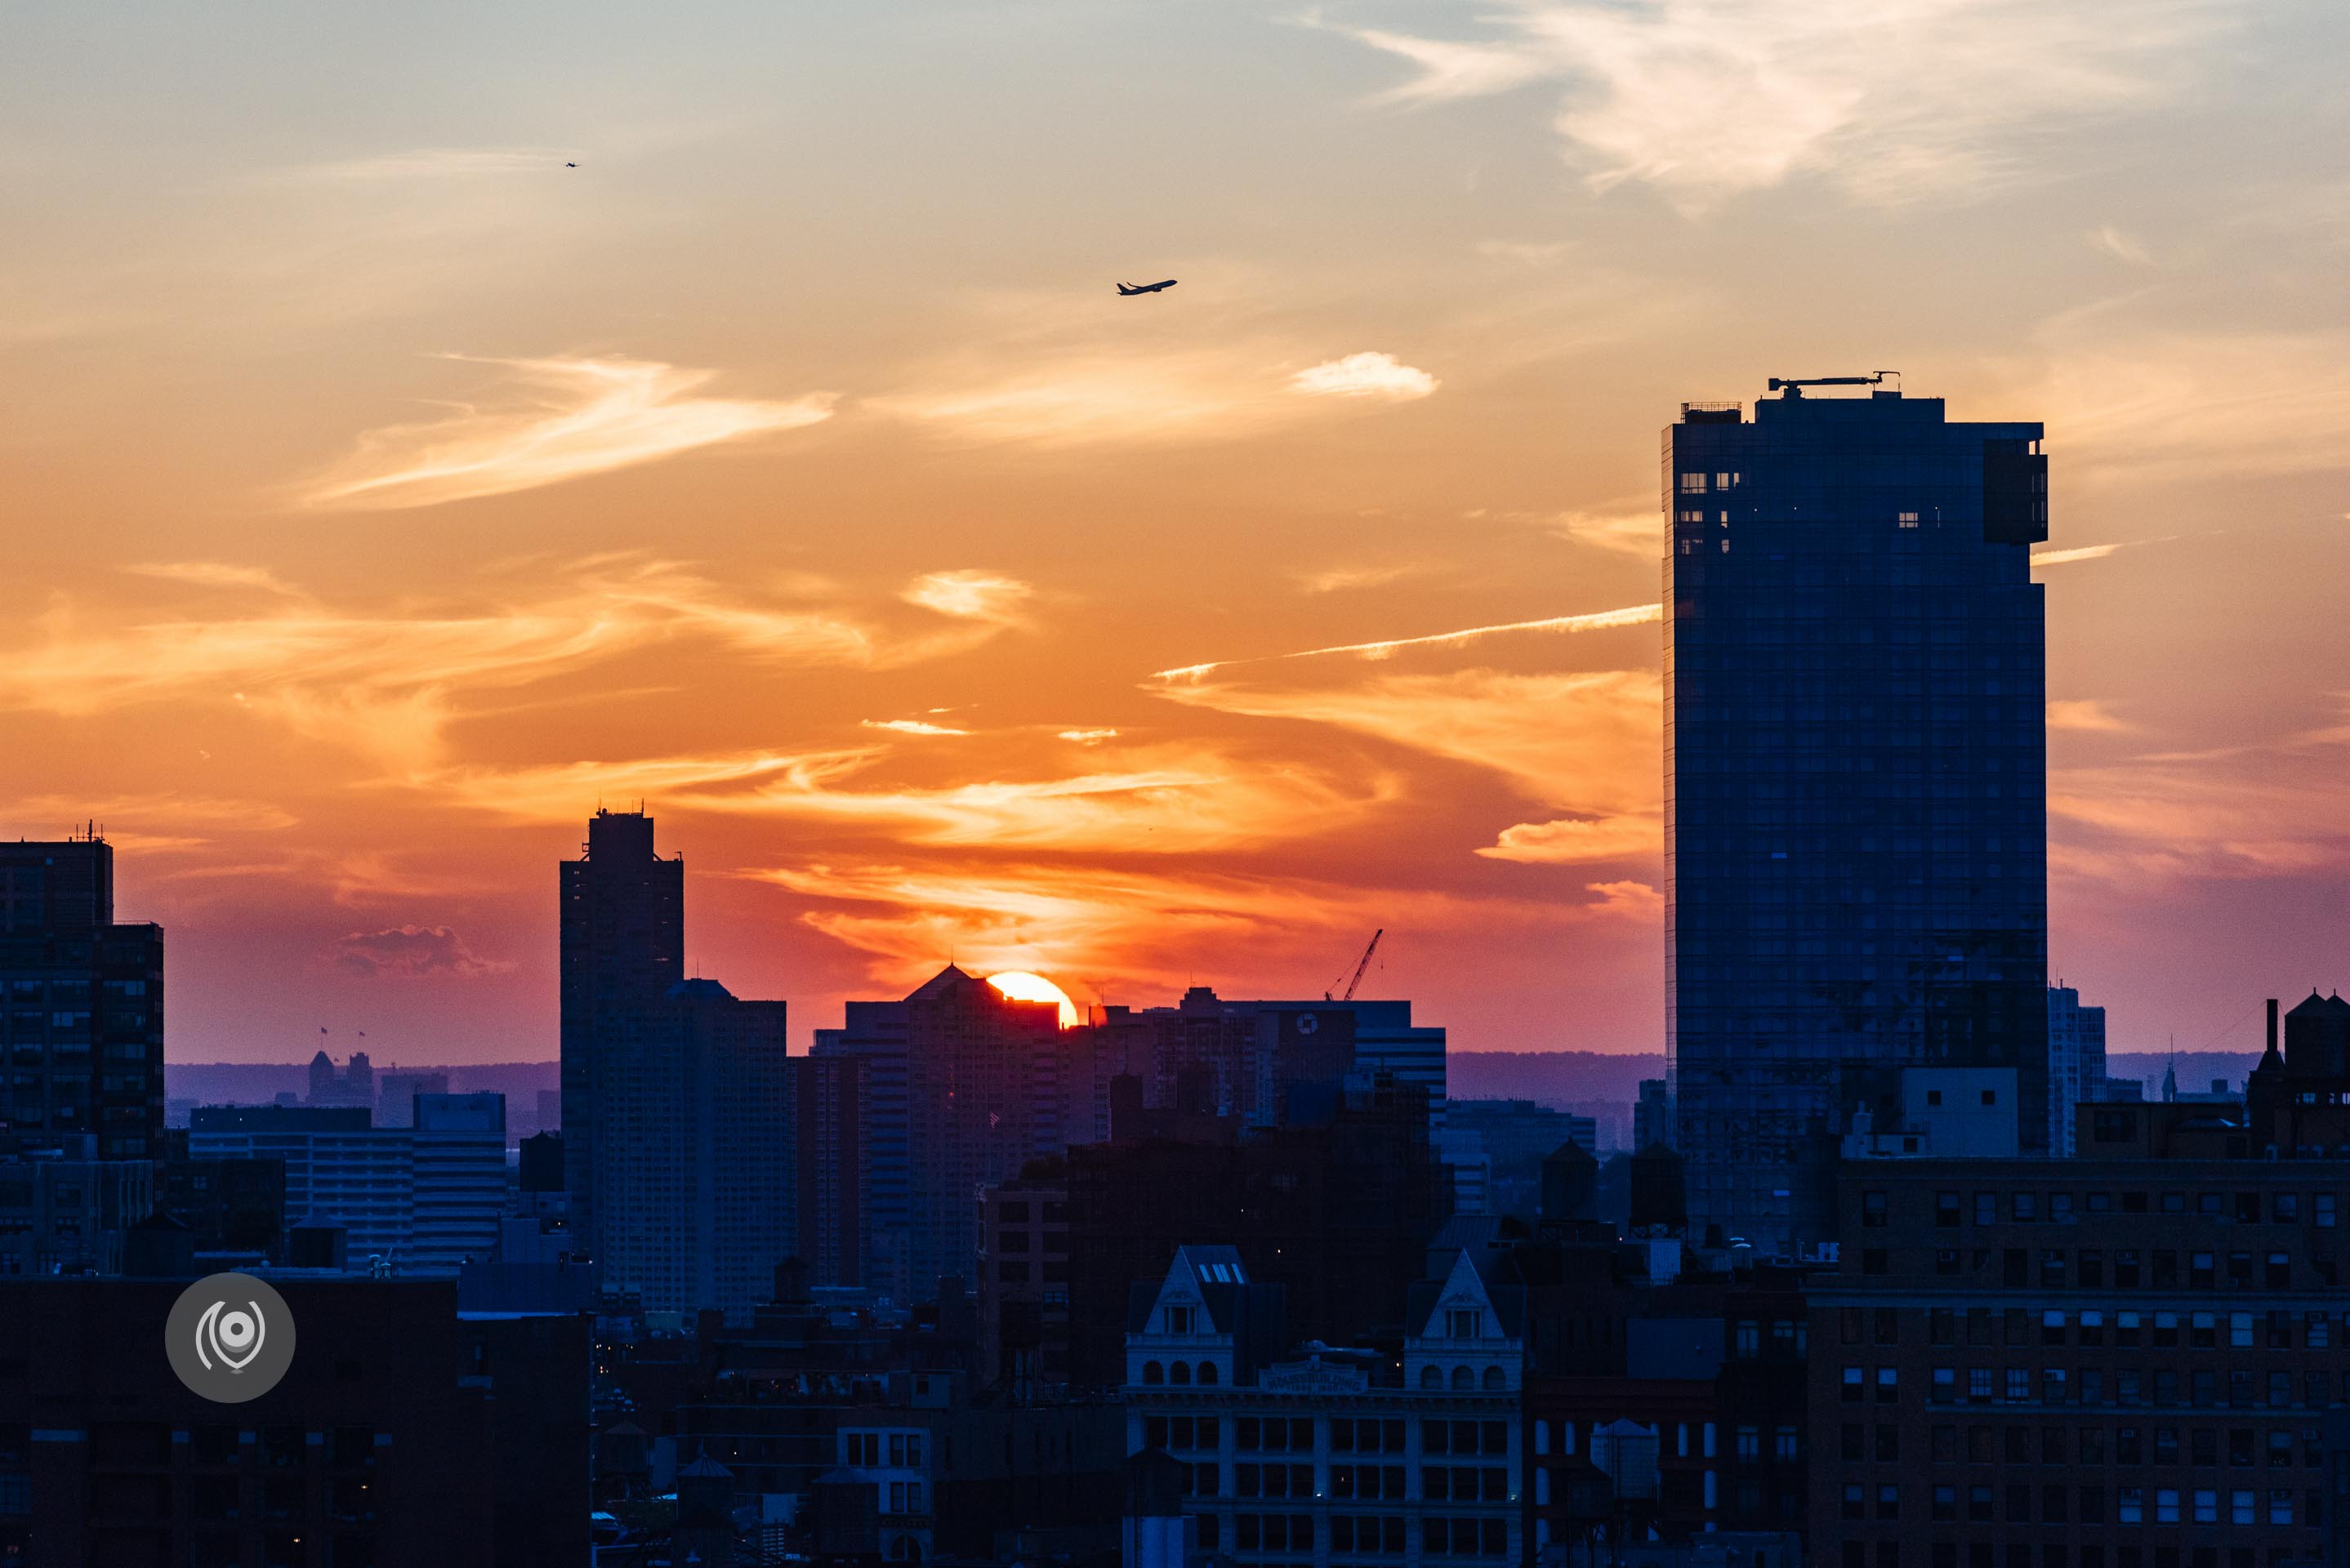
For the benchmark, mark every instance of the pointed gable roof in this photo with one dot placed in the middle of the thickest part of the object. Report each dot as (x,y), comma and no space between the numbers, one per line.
(942,984)
(1214,1275)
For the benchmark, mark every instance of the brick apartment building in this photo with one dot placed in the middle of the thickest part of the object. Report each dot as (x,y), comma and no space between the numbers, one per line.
(2119,1361)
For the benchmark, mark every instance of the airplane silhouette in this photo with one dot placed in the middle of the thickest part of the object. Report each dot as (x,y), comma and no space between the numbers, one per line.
(1127,288)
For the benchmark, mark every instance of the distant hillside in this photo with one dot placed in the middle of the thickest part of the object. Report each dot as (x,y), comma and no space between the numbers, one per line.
(1552,1077)
(1562,1077)
(2197,1069)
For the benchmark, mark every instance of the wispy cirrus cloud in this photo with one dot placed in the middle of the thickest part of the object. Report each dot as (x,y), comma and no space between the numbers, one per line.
(2078,553)
(386,679)
(910,727)
(1147,800)
(217,575)
(2085,714)
(1896,102)
(1139,929)
(417,163)
(2151,401)
(1337,580)
(1575,840)
(1628,533)
(563,419)
(2110,241)
(971,594)
(1365,375)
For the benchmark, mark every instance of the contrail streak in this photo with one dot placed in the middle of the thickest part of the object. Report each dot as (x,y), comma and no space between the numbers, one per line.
(1597,620)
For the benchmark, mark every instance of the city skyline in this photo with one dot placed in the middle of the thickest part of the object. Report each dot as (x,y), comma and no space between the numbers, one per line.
(390,493)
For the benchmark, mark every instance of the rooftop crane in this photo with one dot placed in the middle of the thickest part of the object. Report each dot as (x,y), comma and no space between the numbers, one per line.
(1359,968)
(1792,386)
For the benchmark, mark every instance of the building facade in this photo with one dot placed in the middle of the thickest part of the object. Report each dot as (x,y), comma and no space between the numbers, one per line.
(2117,1361)
(1023,1281)
(1856,762)
(1338,1456)
(622,918)
(696,1175)
(81,1005)
(419,1201)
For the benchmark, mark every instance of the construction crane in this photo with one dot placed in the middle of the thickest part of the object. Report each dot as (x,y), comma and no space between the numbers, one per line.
(1792,386)
(1359,969)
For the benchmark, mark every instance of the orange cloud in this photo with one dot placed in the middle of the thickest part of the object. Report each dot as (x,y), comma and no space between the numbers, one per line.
(1586,742)
(575,417)
(1573,840)
(385,682)
(1155,801)
(1155,930)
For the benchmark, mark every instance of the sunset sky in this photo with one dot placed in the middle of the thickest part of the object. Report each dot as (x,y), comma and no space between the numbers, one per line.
(380,493)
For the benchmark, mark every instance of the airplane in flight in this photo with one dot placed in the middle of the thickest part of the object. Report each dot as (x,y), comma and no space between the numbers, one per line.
(1127,288)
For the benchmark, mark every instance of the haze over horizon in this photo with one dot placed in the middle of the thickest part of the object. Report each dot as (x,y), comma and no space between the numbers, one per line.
(386,493)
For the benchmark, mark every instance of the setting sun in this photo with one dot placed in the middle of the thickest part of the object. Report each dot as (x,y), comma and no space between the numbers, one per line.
(1021,986)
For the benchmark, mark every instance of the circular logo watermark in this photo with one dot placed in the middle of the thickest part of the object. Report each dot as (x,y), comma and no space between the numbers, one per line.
(230,1337)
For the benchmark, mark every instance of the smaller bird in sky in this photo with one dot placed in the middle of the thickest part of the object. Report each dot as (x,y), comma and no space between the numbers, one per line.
(1128,289)
(571,166)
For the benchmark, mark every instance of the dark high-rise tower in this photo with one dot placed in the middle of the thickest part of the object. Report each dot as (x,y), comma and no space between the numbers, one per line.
(623,922)
(81,1005)
(1856,785)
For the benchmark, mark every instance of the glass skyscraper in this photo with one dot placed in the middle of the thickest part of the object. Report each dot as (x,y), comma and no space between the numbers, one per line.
(1856,786)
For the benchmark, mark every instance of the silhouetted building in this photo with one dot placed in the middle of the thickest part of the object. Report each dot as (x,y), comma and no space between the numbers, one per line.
(396,1094)
(1653,1121)
(1253,1058)
(2076,1062)
(1685,1419)
(64,1212)
(1338,1214)
(235,1206)
(695,1172)
(834,1171)
(1855,802)
(874,1033)
(1023,1281)
(401,1435)
(81,1005)
(623,946)
(1512,1137)
(351,1085)
(2297,1101)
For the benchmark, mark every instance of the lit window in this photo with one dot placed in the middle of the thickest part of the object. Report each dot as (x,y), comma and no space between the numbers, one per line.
(1692,485)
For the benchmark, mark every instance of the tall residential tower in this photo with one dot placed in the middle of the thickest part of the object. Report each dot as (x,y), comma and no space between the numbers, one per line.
(623,946)
(1854,786)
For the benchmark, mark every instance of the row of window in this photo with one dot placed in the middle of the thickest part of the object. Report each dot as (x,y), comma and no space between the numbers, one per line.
(1273,1434)
(2246,1388)
(2028,1208)
(1294,1533)
(2277,1328)
(2022,1503)
(2055,1555)
(2132,1267)
(2245,1446)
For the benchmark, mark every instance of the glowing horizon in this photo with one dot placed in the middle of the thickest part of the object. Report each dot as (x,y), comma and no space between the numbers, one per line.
(385,491)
